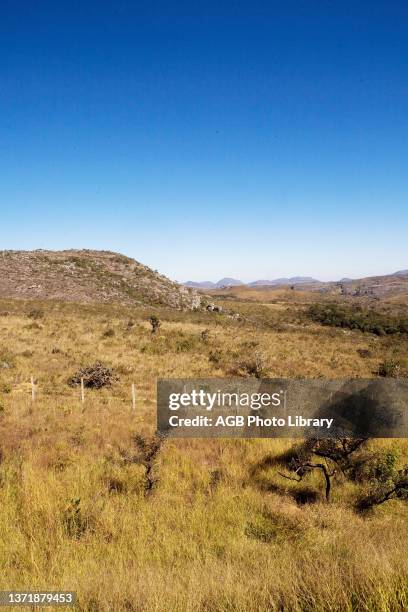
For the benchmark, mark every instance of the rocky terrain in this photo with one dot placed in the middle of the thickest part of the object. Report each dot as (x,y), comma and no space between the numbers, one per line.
(373,287)
(89,276)
(376,287)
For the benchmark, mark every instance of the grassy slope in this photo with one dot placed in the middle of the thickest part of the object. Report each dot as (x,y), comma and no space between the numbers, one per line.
(210,535)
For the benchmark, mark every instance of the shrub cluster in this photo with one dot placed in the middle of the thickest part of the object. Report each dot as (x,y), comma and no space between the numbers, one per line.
(366,320)
(94,376)
(390,368)
(253,365)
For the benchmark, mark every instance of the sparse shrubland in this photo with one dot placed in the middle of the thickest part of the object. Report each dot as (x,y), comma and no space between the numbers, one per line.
(92,500)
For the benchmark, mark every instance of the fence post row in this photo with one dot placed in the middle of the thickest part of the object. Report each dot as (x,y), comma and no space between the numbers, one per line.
(34,392)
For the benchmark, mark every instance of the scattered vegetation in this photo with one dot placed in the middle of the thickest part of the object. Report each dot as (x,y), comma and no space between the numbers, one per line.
(94,376)
(96,500)
(363,319)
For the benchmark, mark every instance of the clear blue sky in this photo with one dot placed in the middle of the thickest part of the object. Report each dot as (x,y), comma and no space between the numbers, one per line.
(248,139)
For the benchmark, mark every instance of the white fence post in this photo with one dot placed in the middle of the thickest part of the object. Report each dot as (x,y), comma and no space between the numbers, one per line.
(133,397)
(33,389)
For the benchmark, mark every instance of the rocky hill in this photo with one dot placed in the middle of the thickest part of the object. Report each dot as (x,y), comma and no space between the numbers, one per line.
(377,287)
(89,276)
(374,286)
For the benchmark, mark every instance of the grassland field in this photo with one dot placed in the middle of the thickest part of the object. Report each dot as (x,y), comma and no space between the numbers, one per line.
(89,504)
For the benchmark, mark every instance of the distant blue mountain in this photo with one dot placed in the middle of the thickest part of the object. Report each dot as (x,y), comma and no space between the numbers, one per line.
(224,282)
(228,282)
(200,285)
(233,282)
(401,273)
(294,280)
(314,284)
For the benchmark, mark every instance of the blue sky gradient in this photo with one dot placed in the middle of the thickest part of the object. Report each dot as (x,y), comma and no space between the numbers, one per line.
(247,139)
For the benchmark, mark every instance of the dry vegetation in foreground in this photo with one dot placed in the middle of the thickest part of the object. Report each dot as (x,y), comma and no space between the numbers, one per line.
(93,501)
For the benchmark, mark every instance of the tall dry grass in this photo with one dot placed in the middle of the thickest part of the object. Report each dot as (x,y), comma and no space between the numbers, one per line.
(209,535)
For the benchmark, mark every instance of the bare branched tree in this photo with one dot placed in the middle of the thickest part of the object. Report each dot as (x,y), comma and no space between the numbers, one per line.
(337,455)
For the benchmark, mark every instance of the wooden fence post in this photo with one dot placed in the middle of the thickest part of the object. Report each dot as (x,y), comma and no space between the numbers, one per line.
(32,389)
(82,391)
(133,397)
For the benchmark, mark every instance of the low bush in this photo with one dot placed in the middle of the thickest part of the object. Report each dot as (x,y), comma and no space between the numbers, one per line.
(390,369)
(7,359)
(254,365)
(36,313)
(364,353)
(108,333)
(215,357)
(94,376)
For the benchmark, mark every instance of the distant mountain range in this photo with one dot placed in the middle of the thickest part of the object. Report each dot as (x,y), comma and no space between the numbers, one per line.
(223,282)
(294,280)
(233,282)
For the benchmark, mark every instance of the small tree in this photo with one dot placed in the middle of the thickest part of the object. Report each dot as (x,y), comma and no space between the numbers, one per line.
(155,323)
(335,453)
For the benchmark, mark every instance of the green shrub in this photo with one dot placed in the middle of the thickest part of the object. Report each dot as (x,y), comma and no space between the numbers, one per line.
(378,468)
(390,368)
(215,357)
(355,317)
(7,359)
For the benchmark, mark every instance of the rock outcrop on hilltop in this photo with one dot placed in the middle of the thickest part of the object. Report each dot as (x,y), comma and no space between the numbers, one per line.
(89,276)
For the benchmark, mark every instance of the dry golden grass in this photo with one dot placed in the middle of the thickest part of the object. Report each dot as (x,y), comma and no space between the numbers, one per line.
(75,511)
